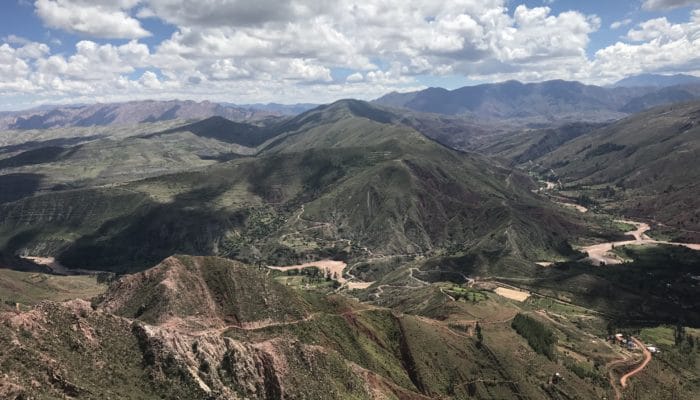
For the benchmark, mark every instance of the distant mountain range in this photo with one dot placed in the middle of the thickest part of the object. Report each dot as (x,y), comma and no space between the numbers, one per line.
(277,108)
(656,80)
(544,102)
(135,112)
(535,104)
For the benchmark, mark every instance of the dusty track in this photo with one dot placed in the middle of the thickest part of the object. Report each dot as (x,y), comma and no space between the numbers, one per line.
(647,358)
(599,254)
(258,325)
(627,362)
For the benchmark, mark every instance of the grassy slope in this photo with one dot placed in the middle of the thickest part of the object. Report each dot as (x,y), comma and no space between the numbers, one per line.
(31,288)
(645,159)
(108,161)
(655,288)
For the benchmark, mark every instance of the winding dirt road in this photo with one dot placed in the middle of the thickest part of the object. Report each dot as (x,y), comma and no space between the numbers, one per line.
(647,358)
(599,254)
(626,362)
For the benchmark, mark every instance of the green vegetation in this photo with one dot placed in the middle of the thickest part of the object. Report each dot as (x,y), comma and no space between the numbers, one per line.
(466,294)
(587,372)
(29,288)
(538,336)
(337,181)
(602,149)
(108,366)
(348,182)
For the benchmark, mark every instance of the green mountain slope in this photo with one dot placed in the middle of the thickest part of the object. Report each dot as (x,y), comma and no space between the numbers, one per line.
(339,181)
(642,166)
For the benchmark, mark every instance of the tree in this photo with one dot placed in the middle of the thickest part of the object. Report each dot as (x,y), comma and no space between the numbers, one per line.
(538,336)
(679,334)
(479,335)
(611,328)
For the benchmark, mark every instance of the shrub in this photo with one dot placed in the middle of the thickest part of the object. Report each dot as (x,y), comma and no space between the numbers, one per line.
(538,336)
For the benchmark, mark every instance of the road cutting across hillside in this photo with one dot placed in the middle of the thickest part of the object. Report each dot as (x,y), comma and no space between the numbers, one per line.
(647,359)
(599,254)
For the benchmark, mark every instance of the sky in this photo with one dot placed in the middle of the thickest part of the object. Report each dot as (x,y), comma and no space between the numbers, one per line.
(296,51)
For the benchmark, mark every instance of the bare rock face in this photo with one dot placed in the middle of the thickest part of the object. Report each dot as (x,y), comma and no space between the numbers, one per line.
(219,367)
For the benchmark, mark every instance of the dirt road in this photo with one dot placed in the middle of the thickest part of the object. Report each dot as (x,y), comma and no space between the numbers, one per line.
(578,207)
(647,358)
(626,361)
(599,254)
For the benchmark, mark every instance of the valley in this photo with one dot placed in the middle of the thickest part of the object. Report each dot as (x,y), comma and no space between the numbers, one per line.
(347,251)
(365,200)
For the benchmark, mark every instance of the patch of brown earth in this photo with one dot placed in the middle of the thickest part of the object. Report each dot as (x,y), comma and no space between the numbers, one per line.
(381,388)
(335,268)
(517,295)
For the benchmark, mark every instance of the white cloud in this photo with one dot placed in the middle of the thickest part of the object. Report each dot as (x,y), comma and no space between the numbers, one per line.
(287,50)
(150,80)
(25,48)
(621,23)
(98,18)
(210,13)
(654,5)
(422,36)
(14,71)
(14,39)
(658,46)
(94,62)
(658,28)
(355,77)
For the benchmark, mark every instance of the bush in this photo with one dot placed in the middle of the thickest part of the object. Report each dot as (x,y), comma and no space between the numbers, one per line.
(538,336)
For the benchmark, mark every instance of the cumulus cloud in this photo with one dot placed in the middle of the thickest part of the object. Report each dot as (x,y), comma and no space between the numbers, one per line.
(422,36)
(209,13)
(654,5)
(355,77)
(150,80)
(657,46)
(92,61)
(14,71)
(98,18)
(319,50)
